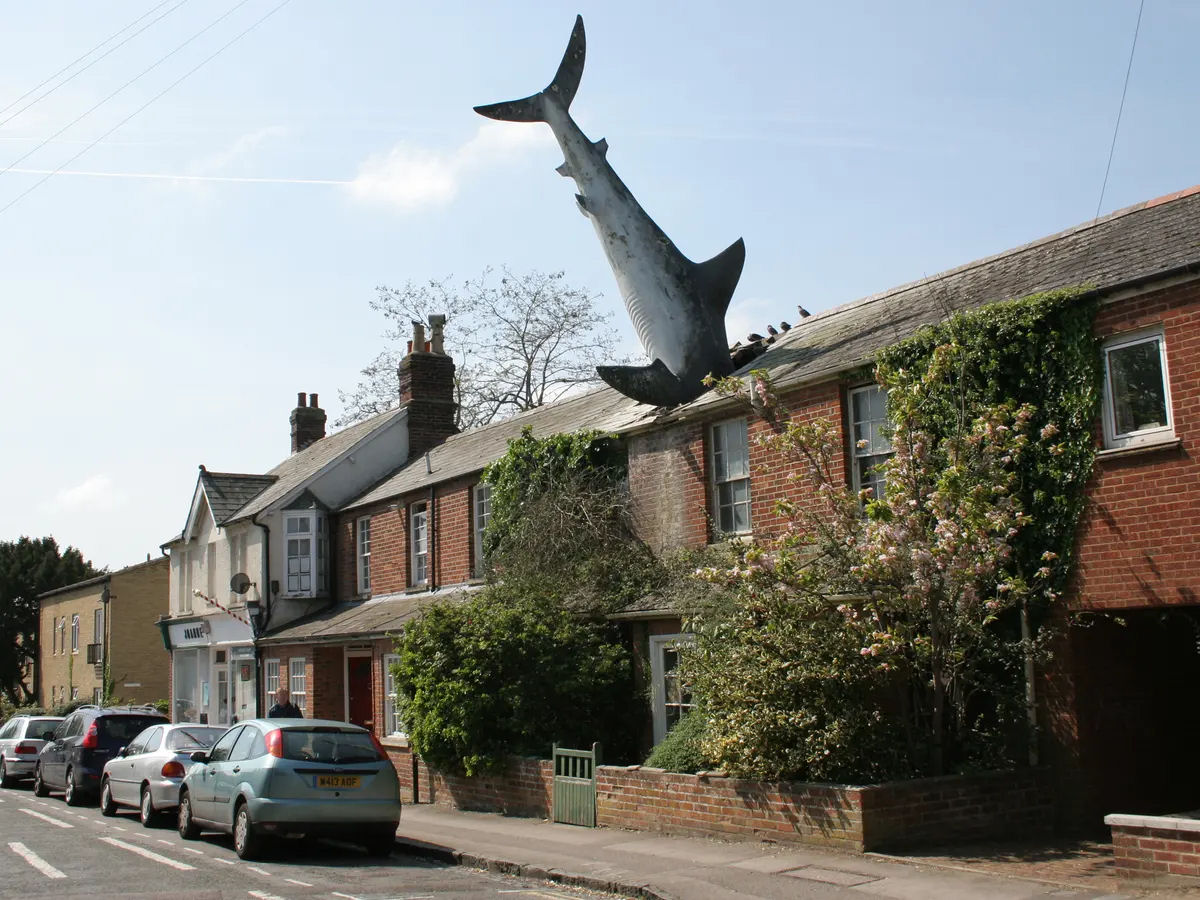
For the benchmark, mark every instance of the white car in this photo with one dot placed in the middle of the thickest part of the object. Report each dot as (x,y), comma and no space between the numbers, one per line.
(21,739)
(146,774)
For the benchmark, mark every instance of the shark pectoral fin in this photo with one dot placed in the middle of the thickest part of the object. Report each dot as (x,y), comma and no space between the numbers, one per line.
(716,279)
(654,384)
(565,170)
(583,204)
(527,109)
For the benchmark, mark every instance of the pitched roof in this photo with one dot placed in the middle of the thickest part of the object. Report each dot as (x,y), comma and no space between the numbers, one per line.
(1144,240)
(298,468)
(602,409)
(356,619)
(227,492)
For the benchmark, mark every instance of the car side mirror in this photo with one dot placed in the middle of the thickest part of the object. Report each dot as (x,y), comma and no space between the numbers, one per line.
(47,735)
(199,756)
(121,752)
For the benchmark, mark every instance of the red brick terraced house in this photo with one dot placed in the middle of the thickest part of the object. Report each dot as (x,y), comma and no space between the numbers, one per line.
(1116,720)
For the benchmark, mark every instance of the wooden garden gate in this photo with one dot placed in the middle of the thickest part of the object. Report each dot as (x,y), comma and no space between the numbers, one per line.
(575,785)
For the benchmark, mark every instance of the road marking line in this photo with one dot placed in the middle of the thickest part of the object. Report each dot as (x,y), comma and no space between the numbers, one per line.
(168,843)
(294,881)
(148,854)
(34,860)
(258,870)
(226,862)
(119,828)
(347,896)
(261,895)
(190,850)
(46,818)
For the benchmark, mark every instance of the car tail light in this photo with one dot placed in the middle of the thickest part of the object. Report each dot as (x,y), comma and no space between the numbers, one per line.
(378,746)
(173,769)
(25,749)
(91,740)
(275,743)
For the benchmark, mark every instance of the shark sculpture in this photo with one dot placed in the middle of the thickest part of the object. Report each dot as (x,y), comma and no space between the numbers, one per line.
(677,306)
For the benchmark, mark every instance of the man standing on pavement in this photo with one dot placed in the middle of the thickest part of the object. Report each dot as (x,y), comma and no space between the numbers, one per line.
(283,707)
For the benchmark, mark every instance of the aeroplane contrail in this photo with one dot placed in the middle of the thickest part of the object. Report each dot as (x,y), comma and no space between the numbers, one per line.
(159,176)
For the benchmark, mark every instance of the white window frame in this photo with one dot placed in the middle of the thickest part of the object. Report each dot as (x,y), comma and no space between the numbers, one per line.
(272,670)
(98,632)
(53,637)
(418,544)
(660,644)
(1155,435)
(391,716)
(75,632)
(726,479)
(298,681)
(313,565)
(185,581)
(362,543)
(878,447)
(481,511)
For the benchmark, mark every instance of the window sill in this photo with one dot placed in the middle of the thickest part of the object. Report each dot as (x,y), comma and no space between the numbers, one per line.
(1173,443)
(417,589)
(399,741)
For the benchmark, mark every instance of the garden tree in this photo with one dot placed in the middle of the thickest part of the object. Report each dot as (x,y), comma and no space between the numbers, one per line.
(29,567)
(530,659)
(519,341)
(887,643)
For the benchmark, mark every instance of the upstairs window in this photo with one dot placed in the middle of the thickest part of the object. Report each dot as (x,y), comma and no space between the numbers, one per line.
(731,476)
(1137,397)
(185,581)
(482,508)
(307,554)
(364,555)
(75,635)
(418,541)
(869,444)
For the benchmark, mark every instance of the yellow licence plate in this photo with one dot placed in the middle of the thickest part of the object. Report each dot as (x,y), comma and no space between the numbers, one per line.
(338,781)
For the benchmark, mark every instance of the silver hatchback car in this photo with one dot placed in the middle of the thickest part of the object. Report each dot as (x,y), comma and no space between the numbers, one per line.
(21,740)
(146,773)
(267,777)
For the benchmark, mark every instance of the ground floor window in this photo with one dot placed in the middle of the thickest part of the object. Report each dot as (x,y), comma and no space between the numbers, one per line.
(190,698)
(272,681)
(298,682)
(391,707)
(670,698)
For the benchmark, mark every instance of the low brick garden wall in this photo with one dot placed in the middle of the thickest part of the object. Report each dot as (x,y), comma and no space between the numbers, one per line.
(1155,845)
(872,817)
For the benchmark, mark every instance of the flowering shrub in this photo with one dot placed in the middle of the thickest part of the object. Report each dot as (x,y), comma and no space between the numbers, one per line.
(880,636)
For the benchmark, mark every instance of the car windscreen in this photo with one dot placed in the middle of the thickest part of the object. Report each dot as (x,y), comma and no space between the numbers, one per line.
(124,729)
(194,737)
(37,727)
(328,745)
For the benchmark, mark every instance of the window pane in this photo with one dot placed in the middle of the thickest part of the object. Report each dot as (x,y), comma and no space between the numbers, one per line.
(1136,384)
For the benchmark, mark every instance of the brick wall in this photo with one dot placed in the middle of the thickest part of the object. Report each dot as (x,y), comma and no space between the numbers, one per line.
(525,790)
(1153,845)
(1139,542)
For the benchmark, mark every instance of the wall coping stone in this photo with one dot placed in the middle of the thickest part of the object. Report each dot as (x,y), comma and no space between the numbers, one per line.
(1181,822)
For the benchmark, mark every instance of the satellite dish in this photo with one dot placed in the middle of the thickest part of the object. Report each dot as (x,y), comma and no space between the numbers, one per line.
(240,583)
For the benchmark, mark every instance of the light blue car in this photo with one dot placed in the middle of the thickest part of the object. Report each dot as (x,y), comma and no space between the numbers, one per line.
(277,777)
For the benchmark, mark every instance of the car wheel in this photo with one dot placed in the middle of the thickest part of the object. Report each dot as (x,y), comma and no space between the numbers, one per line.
(149,815)
(246,840)
(39,786)
(71,791)
(107,806)
(5,781)
(187,825)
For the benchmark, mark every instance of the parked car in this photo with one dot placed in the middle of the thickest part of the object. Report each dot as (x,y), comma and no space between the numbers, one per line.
(268,777)
(21,739)
(73,760)
(147,773)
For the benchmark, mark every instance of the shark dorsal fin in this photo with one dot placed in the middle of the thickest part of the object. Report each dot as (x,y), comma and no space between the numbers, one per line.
(565,170)
(716,278)
(601,147)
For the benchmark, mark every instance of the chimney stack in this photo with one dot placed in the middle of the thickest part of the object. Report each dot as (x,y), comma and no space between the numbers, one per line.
(427,388)
(308,422)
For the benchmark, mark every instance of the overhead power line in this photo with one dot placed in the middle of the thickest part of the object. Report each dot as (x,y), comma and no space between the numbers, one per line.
(162,59)
(169,87)
(75,75)
(1121,108)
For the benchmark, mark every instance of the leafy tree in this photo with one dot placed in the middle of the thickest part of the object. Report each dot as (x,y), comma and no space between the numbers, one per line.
(506,674)
(29,567)
(519,341)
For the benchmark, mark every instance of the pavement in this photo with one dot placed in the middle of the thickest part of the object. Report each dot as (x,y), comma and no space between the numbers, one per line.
(659,867)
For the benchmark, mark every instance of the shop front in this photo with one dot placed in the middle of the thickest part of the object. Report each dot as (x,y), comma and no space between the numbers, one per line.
(213,670)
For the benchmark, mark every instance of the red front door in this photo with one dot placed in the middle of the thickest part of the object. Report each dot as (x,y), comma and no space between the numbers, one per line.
(358,676)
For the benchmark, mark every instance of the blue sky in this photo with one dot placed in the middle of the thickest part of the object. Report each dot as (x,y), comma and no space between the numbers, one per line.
(159,313)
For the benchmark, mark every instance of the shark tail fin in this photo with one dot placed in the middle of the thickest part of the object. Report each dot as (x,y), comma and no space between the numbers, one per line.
(654,384)
(562,88)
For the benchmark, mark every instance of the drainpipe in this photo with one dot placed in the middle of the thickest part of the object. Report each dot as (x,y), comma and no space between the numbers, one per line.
(432,528)
(1030,689)
(264,616)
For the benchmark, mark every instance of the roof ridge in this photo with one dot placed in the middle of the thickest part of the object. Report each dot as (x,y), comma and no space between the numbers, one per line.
(842,308)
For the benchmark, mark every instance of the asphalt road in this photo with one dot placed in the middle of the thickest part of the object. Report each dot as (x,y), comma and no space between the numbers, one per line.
(48,849)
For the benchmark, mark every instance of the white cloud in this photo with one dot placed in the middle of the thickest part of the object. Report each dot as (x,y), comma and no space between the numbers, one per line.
(94,493)
(412,177)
